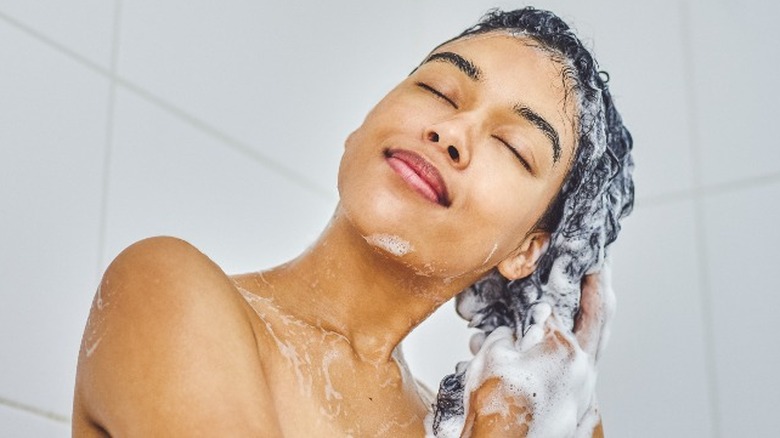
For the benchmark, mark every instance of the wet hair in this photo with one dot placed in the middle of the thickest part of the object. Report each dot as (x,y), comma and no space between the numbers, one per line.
(583,218)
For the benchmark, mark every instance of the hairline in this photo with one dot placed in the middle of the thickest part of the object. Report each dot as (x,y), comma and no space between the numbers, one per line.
(569,88)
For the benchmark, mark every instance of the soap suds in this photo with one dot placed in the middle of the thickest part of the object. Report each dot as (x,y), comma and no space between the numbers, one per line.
(312,352)
(99,299)
(94,331)
(555,379)
(94,346)
(262,277)
(287,349)
(597,193)
(492,251)
(395,424)
(330,393)
(390,243)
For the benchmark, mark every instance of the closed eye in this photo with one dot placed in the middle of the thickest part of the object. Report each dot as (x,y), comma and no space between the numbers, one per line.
(516,153)
(436,93)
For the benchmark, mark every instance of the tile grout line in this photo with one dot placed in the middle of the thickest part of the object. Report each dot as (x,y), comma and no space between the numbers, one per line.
(709,190)
(260,158)
(741,184)
(696,195)
(109,139)
(226,139)
(53,416)
(54,45)
(698,217)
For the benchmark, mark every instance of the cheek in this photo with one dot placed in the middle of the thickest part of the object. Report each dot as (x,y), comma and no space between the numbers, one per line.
(501,225)
(507,201)
(489,227)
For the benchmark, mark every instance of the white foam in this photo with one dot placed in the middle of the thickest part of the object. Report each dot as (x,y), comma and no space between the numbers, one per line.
(330,393)
(94,346)
(492,251)
(97,316)
(99,301)
(390,243)
(468,305)
(476,341)
(555,379)
(608,302)
(300,363)
(398,425)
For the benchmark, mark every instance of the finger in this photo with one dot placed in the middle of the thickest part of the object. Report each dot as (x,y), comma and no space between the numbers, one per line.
(535,330)
(596,309)
(586,324)
(476,341)
(540,312)
(558,339)
(501,337)
(608,305)
(547,331)
(533,336)
(496,412)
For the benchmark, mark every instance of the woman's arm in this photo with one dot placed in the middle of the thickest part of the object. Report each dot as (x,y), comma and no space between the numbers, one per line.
(169,350)
(545,380)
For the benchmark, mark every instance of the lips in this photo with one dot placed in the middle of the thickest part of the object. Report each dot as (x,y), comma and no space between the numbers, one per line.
(419,174)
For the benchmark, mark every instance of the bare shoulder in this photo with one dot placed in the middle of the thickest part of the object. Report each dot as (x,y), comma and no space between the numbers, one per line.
(169,350)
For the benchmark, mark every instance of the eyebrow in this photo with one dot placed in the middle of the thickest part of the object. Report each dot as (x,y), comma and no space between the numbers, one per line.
(475,74)
(463,64)
(544,126)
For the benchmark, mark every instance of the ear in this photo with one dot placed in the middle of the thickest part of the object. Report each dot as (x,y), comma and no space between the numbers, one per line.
(522,262)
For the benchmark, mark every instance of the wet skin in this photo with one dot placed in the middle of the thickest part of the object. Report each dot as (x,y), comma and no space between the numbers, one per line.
(309,348)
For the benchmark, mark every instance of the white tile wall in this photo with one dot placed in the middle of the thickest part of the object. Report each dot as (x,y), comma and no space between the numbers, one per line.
(169,178)
(15,423)
(246,68)
(82,26)
(640,45)
(653,379)
(742,237)
(52,137)
(214,100)
(735,51)
(431,360)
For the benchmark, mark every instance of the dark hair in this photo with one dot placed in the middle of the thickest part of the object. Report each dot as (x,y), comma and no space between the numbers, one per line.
(598,190)
(583,218)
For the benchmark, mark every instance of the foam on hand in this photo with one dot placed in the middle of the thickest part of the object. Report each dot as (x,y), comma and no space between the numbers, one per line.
(555,379)
(597,193)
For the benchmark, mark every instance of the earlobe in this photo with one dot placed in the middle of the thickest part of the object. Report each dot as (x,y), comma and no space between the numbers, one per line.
(522,262)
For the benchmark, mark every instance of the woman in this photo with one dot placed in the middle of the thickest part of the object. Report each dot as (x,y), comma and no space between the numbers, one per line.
(463,172)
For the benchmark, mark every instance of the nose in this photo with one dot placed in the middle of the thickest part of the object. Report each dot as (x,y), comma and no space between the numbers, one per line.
(451,138)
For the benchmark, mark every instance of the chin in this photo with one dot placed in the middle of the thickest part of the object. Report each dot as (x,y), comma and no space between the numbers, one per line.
(377,211)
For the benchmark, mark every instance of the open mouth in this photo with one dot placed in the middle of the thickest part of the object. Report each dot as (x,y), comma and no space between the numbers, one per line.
(419,174)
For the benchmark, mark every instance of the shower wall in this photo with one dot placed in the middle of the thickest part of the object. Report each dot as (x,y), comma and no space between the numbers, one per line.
(222,123)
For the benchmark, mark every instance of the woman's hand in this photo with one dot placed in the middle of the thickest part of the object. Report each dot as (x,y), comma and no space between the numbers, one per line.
(543,382)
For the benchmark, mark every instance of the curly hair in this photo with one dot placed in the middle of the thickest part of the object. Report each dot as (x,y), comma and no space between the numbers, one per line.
(583,218)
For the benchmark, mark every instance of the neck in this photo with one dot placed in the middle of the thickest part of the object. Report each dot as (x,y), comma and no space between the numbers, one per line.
(344,285)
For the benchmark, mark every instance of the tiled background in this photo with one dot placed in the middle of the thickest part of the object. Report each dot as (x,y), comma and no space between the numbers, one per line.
(222,123)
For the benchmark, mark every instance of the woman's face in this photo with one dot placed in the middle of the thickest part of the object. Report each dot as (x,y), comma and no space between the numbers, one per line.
(450,172)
